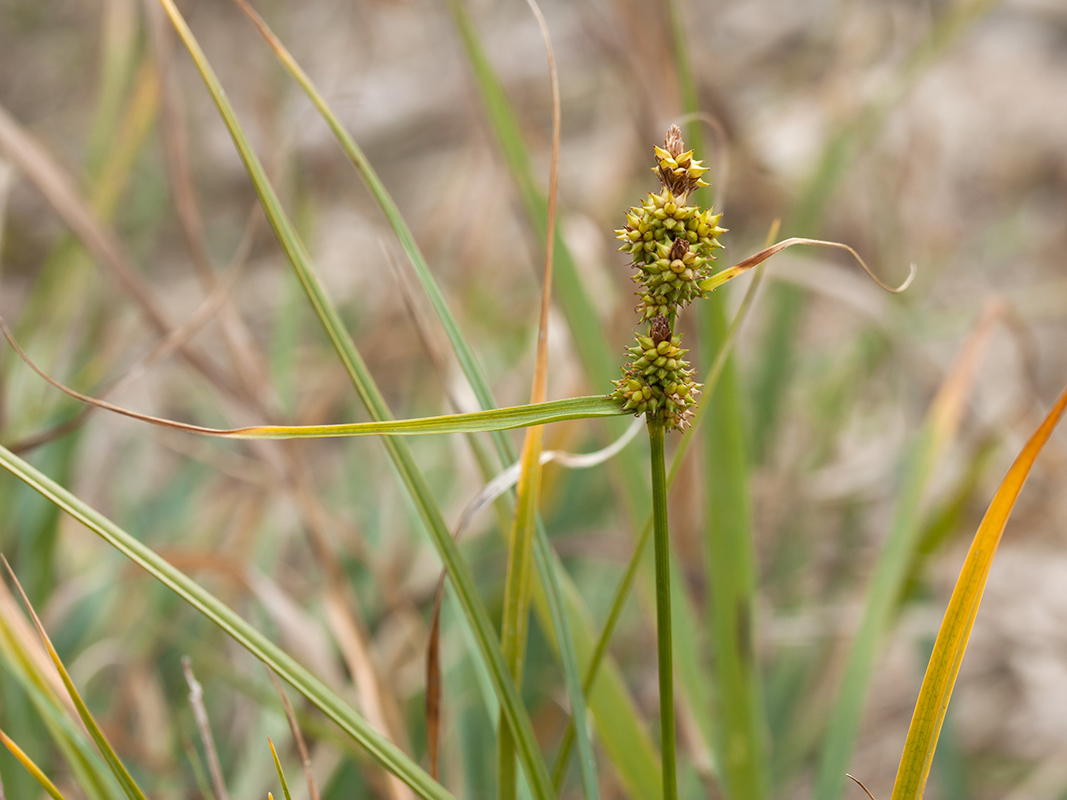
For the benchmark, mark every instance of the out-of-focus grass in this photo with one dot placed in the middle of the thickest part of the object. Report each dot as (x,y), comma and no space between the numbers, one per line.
(818,438)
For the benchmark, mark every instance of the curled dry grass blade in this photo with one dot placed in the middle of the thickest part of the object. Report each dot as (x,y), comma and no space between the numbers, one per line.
(126,781)
(719,278)
(510,476)
(731,561)
(517,588)
(474,610)
(959,618)
(833,164)
(473,422)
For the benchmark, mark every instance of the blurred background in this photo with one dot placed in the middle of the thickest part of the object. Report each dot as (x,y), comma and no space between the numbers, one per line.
(926,132)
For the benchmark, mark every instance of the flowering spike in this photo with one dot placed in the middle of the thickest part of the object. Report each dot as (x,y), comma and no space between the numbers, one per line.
(678,171)
(672,246)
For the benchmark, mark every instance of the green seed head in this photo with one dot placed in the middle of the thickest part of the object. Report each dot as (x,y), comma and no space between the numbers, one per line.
(672,246)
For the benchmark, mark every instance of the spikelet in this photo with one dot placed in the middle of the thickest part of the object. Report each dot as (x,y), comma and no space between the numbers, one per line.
(672,246)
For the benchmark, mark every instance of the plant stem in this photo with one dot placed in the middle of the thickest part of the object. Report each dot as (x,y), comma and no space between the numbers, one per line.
(663,609)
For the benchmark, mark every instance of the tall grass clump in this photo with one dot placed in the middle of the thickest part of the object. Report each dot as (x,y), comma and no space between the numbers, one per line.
(324,616)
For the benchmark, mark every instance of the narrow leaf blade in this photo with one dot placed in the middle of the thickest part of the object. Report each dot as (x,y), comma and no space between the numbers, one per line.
(384,751)
(118,769)
(31,767)
(415,482)
(959,618)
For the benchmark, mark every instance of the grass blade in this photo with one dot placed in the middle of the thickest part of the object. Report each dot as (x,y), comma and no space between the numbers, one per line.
(730,568)
(126,781)
(465,355)
(415,482)
(497,419)
(278,766)
(959,618)
(601,365)
(893,564)
(32,768)
(384,751)
(730,561)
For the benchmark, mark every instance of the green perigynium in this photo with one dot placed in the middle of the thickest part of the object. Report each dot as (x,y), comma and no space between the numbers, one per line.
(657,380)
(672,245)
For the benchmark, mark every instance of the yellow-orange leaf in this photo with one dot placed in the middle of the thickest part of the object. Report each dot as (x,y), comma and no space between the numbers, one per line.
(959,619)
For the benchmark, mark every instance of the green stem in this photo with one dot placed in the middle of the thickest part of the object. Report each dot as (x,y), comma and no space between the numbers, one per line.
(663,608)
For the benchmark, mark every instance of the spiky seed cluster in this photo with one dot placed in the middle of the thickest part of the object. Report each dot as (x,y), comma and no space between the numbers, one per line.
(677,170)
(657,230)
(672,246)
(658,381)
(655,234)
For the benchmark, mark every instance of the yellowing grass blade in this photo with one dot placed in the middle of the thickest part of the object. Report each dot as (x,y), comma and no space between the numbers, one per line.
(959,619)
(898,553)
(278,767)
(513,628)
(496,419)
(283,665)
(32,768)
(116,766)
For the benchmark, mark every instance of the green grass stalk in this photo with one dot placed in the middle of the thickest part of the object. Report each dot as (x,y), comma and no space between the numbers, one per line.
(728,543)
(663,609)
(622,591)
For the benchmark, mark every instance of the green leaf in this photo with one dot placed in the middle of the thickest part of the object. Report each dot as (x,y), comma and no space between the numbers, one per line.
(384,751)
(458,571)
(497,419)
(465,355)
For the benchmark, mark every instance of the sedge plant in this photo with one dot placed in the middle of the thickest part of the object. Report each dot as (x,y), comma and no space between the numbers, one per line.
(672,247)
(671,243)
